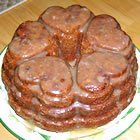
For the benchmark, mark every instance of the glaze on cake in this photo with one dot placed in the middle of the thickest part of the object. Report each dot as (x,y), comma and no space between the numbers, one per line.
(70,69)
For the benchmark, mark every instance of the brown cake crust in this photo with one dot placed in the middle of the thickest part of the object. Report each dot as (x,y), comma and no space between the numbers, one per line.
(70,69)
(71,23)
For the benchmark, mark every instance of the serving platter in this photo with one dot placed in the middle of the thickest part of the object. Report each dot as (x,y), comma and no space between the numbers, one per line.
(24,130)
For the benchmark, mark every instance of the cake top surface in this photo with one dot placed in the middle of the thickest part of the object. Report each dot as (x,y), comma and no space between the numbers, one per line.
(67,19)
(32,37)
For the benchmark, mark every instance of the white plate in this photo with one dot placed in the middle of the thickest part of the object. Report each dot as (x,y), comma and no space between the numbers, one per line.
(26,131)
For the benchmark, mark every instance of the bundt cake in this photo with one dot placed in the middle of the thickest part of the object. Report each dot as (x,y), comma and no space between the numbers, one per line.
(70,69)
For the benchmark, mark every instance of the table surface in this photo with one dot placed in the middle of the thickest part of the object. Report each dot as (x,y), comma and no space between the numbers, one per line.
(127,12)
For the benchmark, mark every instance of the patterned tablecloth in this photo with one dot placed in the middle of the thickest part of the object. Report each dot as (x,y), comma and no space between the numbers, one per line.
(6,5)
